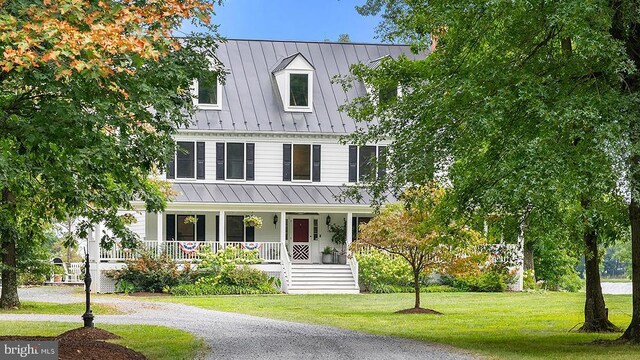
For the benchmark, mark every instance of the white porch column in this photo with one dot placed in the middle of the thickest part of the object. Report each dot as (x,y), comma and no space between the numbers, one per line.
(93,248)
(221,229)
(283,228)
(520,271)
(349,232)
(159,231)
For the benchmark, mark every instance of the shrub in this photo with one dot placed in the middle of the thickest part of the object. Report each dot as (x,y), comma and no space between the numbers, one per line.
(152,273)
(245,277)
(380,273)
(529,280)
(221,289)
(569,282)
(493,279)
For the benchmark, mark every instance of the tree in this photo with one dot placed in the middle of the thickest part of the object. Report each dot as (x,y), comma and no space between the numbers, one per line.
(422,231)
(91,93)
(519,105)
(344,38)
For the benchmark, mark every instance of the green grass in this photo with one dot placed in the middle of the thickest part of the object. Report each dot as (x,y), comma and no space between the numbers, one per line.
(497,325)
(156,342)
(30,307)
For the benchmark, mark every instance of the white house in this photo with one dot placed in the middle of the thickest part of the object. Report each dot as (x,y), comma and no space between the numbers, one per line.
(266,143)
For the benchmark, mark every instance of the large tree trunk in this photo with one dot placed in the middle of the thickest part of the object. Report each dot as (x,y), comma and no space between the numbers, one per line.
(9,297)
(632,334)
(595,312)
(8,239)
(528,257)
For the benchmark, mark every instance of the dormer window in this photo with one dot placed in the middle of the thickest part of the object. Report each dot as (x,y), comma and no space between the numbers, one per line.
(207,92)
(298,90)
(294,77)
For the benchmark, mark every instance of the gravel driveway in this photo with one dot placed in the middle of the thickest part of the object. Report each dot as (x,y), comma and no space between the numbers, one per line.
(237,336)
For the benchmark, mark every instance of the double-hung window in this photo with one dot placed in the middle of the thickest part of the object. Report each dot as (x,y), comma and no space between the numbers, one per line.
(188,161)
(301,162)
(298,90)
(235,161)
(237,231)
(366,162)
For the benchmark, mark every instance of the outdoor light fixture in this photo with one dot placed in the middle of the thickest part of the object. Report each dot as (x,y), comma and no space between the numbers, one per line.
(328,220)
(275,219)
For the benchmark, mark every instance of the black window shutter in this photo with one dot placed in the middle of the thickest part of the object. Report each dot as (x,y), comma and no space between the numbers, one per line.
(217,228)
(171,167)
(219,161)
(286,162)
(251,234)
(382,161)
(251,156)
(353,163)
(170,227)
(354,228)
(200,160)
(200,228)
(316,163)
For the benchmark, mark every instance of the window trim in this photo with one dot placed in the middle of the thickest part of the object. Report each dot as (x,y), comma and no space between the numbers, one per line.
(244,229)
(195,161)
(310,162)
(204,106)
(291,108)
(244,161)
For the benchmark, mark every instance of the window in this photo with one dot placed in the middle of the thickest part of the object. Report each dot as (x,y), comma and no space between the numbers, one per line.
(235,228)
(208,91)
(299,90)
(301,162)
(186,230)
(183,227)
(366,162)
(235,161)
(388,93)
(185,160)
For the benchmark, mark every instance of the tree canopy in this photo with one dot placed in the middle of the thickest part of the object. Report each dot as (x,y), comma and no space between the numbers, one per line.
(91,93)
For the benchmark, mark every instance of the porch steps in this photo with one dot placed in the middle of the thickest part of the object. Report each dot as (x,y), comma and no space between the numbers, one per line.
(322,279)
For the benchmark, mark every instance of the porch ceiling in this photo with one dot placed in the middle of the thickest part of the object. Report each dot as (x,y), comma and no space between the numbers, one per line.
(263,194)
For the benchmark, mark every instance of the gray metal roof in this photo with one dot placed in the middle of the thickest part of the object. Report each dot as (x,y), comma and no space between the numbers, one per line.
(250,98)
(262,194)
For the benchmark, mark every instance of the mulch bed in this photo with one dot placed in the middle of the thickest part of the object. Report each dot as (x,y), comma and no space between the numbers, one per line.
(86,344)
(418,311)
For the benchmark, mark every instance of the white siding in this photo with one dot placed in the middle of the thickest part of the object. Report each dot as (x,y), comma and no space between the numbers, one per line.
(334,164)
(210,160)
(268,162)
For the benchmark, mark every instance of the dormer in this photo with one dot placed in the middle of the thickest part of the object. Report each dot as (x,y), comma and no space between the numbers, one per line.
(207,89)
(386,93)
(294,77)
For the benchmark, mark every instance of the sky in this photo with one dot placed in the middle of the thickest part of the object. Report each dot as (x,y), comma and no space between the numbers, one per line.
(311,20)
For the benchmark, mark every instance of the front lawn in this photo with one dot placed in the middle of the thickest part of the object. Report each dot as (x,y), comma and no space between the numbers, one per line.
(500,325)
(30,307)
(155,342)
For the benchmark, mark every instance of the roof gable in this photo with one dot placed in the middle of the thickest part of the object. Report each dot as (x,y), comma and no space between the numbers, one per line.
(296,61)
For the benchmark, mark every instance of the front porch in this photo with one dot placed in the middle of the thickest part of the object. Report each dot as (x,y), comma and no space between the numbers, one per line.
(289,244)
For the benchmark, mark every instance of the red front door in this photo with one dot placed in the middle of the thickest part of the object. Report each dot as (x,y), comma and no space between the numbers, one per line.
(300,246)
(300,230)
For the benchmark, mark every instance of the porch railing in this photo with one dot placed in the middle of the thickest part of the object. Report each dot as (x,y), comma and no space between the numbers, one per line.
(181,251)
(285,274)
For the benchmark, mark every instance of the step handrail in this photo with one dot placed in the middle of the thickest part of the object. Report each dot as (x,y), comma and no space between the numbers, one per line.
(353,264)
(285,275)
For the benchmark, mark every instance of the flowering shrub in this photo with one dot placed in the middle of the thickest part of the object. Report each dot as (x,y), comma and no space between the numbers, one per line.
(152,273)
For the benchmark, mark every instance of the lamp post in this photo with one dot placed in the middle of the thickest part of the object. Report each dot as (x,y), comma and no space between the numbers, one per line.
(88,314)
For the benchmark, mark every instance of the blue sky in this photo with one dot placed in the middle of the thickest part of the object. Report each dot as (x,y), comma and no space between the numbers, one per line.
(313,20)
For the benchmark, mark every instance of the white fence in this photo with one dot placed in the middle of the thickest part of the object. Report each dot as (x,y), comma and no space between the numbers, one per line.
(182,251)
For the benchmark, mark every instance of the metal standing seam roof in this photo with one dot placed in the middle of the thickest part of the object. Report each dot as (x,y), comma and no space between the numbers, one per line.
(262,194)
(250,98)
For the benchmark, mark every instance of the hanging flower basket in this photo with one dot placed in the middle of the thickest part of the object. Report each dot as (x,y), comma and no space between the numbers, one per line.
(190,220)
(253,221)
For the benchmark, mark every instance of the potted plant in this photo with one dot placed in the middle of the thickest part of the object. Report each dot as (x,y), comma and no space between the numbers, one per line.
(327,255)
(253,221)
(339,237)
